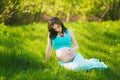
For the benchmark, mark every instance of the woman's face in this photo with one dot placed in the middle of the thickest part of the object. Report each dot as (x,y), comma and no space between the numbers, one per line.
(57,28)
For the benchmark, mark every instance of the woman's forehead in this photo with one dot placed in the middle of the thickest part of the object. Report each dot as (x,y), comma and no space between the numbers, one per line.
(55,26)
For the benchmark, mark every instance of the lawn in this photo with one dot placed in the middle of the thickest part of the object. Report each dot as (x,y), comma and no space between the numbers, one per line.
(22,51)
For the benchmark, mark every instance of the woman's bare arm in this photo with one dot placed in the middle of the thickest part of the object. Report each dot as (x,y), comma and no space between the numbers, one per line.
(48,49)
(75,44)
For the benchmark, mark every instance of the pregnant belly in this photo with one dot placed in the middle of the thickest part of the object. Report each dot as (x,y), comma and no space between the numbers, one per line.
(64,54)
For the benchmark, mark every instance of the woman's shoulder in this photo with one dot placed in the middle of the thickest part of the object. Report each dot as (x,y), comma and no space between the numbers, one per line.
(70,31)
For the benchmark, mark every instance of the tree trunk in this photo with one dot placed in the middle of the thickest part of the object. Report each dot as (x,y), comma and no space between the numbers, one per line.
(104,12)
(68,17)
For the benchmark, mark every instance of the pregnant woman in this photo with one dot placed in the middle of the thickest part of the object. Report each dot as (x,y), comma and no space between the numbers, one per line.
(64,43)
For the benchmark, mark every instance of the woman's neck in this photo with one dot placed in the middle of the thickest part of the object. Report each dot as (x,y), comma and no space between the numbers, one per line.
(61,34)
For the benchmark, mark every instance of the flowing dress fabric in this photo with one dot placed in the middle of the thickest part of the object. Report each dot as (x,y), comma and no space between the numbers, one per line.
(80,63)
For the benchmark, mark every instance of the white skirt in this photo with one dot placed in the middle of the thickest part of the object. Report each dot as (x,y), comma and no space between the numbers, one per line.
(80,63)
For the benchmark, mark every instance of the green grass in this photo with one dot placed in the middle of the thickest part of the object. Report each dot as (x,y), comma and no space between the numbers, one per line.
(22,51)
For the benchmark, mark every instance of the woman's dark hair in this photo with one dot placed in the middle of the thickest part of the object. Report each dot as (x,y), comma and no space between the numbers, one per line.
(51,22)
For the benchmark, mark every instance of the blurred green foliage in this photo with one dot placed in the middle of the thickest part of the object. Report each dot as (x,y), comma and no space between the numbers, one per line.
(27,11)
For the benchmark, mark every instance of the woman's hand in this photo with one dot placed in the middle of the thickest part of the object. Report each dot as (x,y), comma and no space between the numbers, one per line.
(72,51)
(65,54)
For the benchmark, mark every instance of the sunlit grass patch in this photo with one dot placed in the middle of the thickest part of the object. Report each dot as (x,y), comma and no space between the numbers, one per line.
(22,51)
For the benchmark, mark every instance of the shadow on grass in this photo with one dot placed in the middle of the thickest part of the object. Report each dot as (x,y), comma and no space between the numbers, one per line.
(110,75)
(12,63)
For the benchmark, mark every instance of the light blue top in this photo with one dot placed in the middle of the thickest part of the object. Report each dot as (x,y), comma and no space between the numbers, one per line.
(64,41)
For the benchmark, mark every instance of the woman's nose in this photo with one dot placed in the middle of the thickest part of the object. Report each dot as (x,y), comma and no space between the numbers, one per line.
(58,30)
